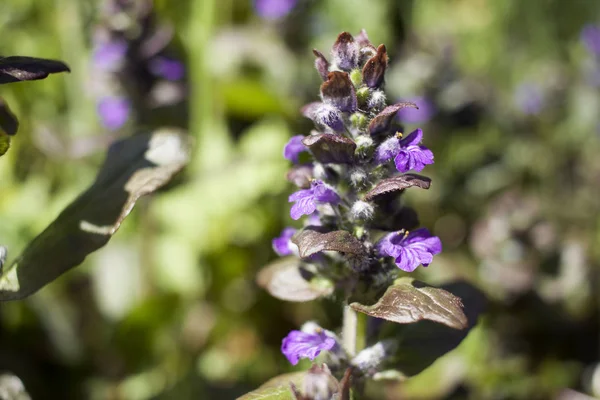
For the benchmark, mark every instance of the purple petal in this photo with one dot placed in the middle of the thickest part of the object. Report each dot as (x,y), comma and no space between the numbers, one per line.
(110,55)
(293,148)
(114,112)
(590,36)
(324,193)
(170,69)
(413,158)
(298,344)
(274,9)
(423,114)
(281,243)
(387,150)
(410,251)
(413,139)
(305,205)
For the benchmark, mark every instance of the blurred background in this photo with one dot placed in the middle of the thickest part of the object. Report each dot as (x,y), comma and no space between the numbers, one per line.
(509,96)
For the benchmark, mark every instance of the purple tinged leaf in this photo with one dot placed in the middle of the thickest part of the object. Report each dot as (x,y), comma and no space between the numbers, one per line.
(285,279)
(345,52)
(321,64)
(8,121)
(362,39)
(339,91)
(328,148)
(300,175)
(408,301)
(293,148)
(19,68)
(374,70)
(310,241)
(382,121)
(397,183)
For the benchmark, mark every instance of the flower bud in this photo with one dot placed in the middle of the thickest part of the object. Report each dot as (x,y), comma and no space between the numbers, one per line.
(358,177)
(339,91)
(319,384)
(377,100)
(374,70)
(321,64)
(345,52)
(372,357)
(362,211)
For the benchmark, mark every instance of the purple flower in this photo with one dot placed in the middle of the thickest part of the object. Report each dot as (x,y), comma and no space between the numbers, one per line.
(168,68)
(281,244)
(529,98)
(407,153)
(293,148)
(307,199)
(298,344)
(421,115)
(590,36)
(110,55)
(113,112)
(274,9)
(410,251)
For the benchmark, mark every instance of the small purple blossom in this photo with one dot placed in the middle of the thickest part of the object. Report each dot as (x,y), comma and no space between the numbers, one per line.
(590,36)
(293,148)
(114,112)
(529,98)
(298,344)
(407,153)
(421,115)
(109,56)
(281,244)
(410,251)
(167,68)
(307,199)
(274,9)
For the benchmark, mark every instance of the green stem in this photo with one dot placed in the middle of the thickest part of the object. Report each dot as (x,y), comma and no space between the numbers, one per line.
(354,331)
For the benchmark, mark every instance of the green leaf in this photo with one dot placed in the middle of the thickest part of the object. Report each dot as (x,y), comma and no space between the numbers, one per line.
(18,68)
(310,241)
(133,168)
(408,301)
(286,279)
(277,388)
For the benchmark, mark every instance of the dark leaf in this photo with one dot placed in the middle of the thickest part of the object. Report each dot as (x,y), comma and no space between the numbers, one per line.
(321,64)
(310,241)
(394,220)
(8,121)
(424,342)
(374,70)
(285,279)
(300,175)
(133,167)
(339,91)
(397,183)
(17,68)
(382,121)
(328,148)
(277,388)
(408,301)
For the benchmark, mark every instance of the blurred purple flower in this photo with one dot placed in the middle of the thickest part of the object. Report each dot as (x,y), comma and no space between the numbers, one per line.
(407,153)
(293,148)
(167,68)
(274,9)
(411,115)
(410,251)
(109,56)
(590,36)
(307,199)
(529,98)
(298,344)
(281,244)
(114,112)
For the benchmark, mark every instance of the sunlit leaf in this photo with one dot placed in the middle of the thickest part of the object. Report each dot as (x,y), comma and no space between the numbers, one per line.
(310,241)
(133,167)
(328,148)
(408,301)
(18,68)
(398,183)
(285,279)
(277,388)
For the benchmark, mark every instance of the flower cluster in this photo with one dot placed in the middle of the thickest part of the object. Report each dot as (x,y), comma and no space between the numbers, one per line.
(360,164)
(131,63)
